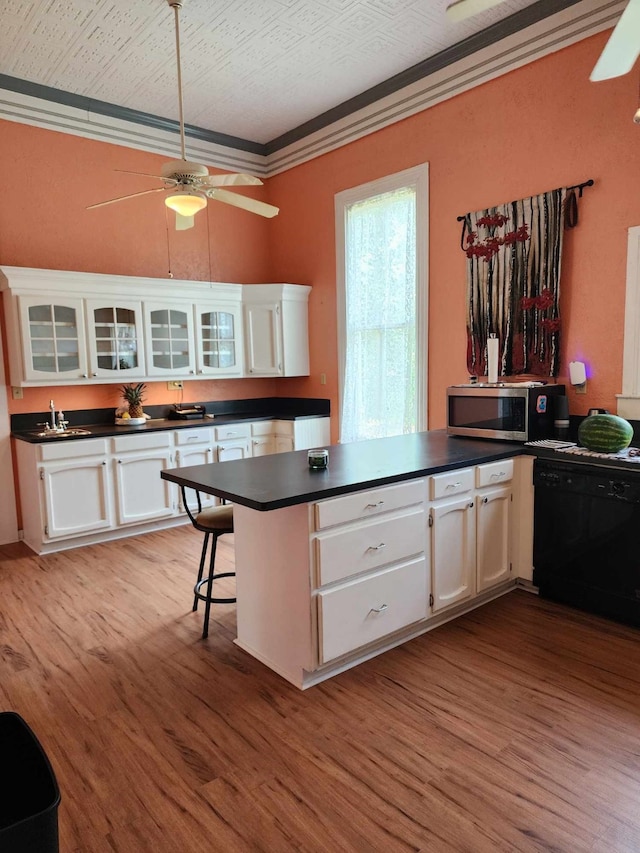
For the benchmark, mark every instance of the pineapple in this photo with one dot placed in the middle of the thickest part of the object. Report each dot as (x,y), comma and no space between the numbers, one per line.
(134,395)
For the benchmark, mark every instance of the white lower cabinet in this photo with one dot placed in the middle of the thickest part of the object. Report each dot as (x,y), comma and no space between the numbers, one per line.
(371,566)
(77,496)
(141,494)
(470,536)
(194,447)
(493,545)
(358,613)
(453,551)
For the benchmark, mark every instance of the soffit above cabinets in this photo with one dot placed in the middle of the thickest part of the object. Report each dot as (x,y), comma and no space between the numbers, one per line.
(266,82)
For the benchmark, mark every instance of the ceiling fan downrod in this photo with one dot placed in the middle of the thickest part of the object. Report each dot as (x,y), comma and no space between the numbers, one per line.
(176,5)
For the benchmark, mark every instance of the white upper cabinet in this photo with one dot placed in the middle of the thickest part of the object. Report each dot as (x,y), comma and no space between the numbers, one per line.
(114,334)
(52,330)
(169,339)
(218,339)
(276,321)
(67,328)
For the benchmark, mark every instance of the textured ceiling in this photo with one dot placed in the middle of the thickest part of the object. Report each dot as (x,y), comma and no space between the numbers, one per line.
(253,69)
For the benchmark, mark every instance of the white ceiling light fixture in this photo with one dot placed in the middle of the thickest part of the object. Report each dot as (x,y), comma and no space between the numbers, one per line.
(189,185)
(623,48)
(459,10)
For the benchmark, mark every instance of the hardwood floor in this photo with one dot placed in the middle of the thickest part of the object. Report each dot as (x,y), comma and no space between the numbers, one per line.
(515,728)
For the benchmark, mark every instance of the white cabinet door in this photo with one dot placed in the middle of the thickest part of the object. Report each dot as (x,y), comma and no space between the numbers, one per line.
(169,339)
(53,338)
(76,497)
(263,339)
(114,331)
(219,340)
(263,445)
(199,454)
(141,494)
(493,552)
(453,555)
(238,448)
(283,444)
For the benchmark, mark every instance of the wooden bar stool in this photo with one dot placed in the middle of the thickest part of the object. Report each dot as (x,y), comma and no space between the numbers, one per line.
(213,522)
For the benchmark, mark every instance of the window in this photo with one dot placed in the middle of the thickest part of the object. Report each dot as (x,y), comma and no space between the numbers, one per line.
(381,246)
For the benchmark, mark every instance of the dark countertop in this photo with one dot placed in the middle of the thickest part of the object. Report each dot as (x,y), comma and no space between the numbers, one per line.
(153,425)
(285,479)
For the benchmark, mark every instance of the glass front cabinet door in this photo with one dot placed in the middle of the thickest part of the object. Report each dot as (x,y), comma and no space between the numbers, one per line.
(115,339)
(219,338)
(53,336)
(170,347)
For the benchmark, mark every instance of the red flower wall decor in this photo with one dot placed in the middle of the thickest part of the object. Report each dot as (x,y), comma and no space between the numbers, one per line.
(490,246)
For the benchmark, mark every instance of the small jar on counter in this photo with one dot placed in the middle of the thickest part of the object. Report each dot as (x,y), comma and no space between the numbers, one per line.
(318,458)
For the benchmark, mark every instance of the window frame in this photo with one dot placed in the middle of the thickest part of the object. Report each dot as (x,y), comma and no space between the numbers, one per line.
(418,178)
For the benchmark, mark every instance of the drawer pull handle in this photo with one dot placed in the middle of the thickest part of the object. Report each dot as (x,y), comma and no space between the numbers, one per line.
(499,476)
(377,547)
(454,485)
(374,506)
(380,609)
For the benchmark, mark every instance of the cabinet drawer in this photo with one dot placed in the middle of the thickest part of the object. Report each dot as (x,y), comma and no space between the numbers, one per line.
(365,610)
(71,449)
(451,483)
(148,441)
(370,545)
(262,428)
(366,504)
(494,473)
(194,436)
(233,431)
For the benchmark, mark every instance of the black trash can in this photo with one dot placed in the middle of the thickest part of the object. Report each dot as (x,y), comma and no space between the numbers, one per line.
(30,798)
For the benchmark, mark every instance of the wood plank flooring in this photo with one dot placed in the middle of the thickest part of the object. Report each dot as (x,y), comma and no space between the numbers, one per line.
(514,728)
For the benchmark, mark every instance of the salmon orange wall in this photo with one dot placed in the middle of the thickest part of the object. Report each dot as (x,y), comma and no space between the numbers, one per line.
(47,181)
(537,128)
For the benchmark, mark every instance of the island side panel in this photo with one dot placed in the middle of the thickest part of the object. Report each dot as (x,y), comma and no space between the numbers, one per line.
(273,581)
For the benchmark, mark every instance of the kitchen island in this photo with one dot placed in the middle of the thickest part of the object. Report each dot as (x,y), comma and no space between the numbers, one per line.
(396,536)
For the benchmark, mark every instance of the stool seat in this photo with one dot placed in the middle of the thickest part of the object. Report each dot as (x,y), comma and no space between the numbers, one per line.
(215,518)
(213,522)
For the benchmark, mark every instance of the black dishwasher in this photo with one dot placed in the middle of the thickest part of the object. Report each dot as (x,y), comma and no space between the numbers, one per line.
(586,544)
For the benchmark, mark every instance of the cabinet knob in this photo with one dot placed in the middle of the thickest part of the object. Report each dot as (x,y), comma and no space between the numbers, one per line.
(84,376)
(94,374)
(471,505)
(485,500)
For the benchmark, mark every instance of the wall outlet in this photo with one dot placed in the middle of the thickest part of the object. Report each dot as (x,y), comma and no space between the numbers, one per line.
(323,378)
(175,385)
(581,389)
(16,392)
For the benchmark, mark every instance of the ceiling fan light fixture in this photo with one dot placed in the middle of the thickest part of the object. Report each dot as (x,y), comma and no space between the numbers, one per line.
(186,202)
(458,10)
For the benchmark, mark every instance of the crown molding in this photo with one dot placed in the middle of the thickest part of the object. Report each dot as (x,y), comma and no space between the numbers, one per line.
(384,105)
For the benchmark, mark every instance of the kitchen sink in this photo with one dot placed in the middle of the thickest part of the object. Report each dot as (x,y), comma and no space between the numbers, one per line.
(65,433)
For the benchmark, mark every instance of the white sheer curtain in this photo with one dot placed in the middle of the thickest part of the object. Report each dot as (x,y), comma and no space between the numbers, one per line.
(379,389)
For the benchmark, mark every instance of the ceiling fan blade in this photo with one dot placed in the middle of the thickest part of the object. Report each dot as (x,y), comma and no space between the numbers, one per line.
(183,223)
(238,180)
(623,48)
(123,197)
(250,204)
(458,10)
(147,175)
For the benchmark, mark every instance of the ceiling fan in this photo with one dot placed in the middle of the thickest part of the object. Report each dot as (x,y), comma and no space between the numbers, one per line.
(620,52)
(188,186)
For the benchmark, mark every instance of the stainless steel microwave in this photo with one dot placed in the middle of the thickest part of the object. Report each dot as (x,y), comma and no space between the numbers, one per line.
(510,411)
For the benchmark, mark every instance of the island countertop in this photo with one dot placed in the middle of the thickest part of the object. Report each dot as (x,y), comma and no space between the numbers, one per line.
(285,479)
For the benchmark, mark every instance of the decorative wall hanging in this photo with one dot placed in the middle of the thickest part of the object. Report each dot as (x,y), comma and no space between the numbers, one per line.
(514,256)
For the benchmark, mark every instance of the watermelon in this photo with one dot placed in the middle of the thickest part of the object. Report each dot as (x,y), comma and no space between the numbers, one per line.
(605,433)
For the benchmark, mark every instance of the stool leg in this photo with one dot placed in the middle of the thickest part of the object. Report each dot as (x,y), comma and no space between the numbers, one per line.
(207,604)
(201,569)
